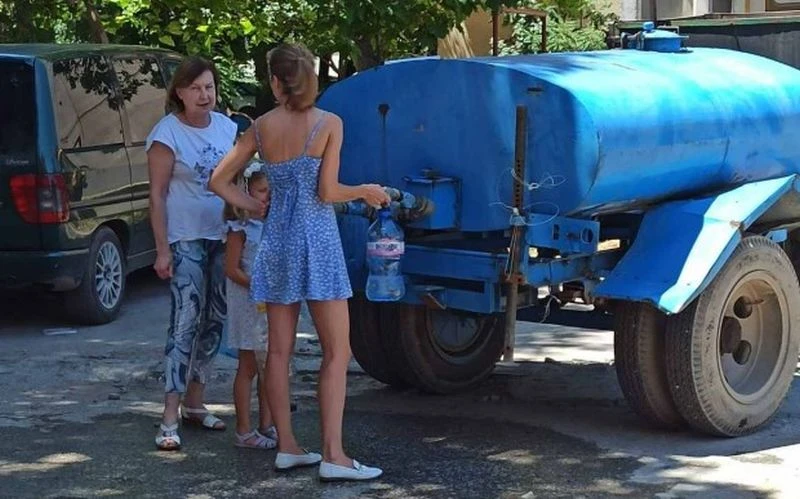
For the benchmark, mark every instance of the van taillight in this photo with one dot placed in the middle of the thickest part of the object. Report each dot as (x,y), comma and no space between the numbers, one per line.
(40,198)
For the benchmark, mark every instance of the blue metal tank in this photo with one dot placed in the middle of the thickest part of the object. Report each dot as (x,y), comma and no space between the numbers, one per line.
(607,131)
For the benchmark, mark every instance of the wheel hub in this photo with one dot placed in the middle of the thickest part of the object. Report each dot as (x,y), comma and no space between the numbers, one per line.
(108,275)
(730,336)
(454,334)
(751,337)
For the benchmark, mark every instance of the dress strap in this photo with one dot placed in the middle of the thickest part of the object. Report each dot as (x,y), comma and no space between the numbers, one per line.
(314,132)
(257,130)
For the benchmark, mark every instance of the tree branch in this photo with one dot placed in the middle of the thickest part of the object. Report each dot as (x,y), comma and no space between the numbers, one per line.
(99,34)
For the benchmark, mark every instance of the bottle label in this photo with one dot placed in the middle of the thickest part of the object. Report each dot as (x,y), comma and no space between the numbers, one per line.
(386,248)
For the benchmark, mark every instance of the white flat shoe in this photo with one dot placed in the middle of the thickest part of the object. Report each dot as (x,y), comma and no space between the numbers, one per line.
(329,472)
(284,461)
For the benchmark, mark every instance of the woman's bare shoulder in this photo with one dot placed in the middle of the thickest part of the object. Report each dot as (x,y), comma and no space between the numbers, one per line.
(331,122)
(269,115)
(330,117)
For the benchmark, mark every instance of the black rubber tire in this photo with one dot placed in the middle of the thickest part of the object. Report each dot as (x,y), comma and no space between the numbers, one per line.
(83,304)
(640,362)
(369,331)
(692,344)
(432,369)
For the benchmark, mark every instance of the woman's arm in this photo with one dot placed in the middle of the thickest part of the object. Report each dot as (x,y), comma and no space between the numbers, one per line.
(221,182)
(330,190)
(233,256)
(160,162)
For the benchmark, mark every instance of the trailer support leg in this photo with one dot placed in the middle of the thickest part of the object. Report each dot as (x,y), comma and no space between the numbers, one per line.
(513,275)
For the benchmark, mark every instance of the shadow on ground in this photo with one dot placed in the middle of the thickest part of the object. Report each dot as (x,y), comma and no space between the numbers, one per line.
(422,456)
(584,400)
(30,309)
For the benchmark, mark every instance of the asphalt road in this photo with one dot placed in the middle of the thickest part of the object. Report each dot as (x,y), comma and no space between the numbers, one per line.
(78,414)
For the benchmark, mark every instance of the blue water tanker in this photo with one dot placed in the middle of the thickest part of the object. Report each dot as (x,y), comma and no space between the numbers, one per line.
(655,182)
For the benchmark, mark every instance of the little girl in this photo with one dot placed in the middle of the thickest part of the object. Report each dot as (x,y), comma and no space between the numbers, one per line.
(247,327)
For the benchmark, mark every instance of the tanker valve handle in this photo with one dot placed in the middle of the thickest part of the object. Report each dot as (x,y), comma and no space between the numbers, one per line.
(405,206)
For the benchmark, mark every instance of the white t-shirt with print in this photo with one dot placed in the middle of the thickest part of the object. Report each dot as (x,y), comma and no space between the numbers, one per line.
(194,212)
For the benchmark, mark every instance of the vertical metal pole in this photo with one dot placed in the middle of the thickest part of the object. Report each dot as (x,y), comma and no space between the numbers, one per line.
(519,157)
(513,278)
(544,33)
(495,29)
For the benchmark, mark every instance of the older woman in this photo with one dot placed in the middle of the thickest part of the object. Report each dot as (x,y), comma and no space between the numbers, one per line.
(182,150)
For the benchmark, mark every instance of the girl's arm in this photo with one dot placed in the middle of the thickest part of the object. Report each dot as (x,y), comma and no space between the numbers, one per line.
(221,182)
(330,190)
(233,255)
(160,162)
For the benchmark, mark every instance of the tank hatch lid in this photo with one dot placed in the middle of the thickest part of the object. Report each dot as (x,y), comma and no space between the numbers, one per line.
(656,40)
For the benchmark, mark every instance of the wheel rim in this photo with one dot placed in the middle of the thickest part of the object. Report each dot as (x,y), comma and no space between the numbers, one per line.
(752,337)
(108,275)
(457,337)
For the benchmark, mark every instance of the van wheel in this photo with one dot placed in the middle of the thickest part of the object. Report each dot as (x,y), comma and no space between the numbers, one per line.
(99,297)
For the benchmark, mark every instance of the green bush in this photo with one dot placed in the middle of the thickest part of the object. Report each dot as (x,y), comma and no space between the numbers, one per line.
(572,25)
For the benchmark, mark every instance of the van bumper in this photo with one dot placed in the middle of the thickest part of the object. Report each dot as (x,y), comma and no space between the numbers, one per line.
(55,271)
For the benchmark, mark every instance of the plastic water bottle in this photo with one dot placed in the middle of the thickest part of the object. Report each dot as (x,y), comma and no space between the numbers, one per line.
(385,248)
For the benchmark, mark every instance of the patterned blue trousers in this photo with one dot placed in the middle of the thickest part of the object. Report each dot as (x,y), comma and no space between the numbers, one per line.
(198,312)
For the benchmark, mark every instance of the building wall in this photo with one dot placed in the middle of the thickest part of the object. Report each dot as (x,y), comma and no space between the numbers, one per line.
(474,39)
(662,9)
(643,9)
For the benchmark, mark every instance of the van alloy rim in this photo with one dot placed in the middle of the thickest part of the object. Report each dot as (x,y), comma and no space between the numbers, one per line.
(108,275)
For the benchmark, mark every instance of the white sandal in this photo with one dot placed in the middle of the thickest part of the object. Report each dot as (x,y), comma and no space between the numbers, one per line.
(209,421)
(168,434)
(255,440)
(270,432)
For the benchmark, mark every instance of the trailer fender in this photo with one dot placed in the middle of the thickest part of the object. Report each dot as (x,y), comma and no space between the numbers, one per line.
(682,245)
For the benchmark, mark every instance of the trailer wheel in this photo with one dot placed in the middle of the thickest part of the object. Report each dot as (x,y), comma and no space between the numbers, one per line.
(640,362)
(732,353)
(369,332)
(447,351)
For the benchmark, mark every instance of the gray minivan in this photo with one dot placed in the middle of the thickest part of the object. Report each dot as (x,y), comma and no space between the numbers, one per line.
(74,189)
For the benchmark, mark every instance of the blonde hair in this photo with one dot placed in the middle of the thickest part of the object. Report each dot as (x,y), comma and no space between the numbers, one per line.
(230,212)
(293,66)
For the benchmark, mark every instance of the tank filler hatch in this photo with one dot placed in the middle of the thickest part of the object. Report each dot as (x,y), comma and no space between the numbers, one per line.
(655,40)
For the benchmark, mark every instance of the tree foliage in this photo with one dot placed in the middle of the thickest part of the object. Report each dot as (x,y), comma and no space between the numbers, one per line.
(211,28)
(234,33)
(371,31)
(40,21)
(572,25)
(367,31)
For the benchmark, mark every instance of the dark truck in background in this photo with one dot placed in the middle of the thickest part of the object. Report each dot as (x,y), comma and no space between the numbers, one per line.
(74,192)
(774,34)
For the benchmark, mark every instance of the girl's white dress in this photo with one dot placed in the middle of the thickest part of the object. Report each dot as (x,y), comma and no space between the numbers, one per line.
(247,327)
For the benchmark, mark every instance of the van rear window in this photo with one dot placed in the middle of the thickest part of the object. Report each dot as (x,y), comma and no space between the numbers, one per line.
(17,113)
